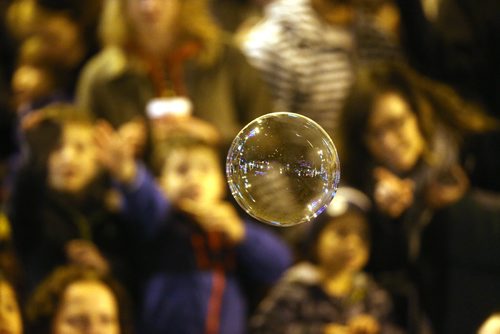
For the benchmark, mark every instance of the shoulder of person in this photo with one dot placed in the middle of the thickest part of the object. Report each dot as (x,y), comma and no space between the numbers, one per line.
(293,289)
(370,289)
(263,35)
(303,273)
(107,64)
(230,53)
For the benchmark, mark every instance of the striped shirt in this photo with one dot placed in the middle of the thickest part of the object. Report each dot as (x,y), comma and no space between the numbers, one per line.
(310,64)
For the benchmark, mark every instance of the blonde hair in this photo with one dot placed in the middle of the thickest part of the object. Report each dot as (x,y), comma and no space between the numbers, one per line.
(196,23)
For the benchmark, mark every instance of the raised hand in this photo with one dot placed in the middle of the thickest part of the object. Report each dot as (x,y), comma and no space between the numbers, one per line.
(116,152)
(447,187)
(392,194)
(216,217)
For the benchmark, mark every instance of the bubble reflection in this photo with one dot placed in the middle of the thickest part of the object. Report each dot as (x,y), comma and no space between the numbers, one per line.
(283,169)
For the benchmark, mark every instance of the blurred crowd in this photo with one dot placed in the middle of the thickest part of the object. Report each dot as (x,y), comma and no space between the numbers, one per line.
(116,117)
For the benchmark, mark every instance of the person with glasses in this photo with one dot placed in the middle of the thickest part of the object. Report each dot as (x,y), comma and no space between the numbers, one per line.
(402,143)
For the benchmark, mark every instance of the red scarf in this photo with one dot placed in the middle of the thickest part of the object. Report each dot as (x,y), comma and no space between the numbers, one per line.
(168,76)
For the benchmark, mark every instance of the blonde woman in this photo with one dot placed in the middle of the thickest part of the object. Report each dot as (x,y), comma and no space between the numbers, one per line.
(161,50)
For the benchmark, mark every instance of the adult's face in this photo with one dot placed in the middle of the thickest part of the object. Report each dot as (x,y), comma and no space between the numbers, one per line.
(393,135)
(154,22)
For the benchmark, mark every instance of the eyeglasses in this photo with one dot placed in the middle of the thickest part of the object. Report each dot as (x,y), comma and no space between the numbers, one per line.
(391,125)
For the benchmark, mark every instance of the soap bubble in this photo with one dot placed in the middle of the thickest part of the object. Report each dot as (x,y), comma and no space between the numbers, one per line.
(283,169)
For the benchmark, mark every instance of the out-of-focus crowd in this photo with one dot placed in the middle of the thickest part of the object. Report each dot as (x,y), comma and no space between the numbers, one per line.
(116,116)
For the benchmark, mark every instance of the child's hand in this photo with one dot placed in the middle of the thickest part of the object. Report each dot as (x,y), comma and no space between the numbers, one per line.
(364,324)
(116,152)
(216,217)
(86,254)
(392,194)
(133,135)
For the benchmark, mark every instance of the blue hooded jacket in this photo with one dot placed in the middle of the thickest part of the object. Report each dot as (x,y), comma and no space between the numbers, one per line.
(194,278)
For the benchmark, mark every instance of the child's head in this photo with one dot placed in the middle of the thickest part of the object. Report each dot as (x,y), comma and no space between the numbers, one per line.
(72,163)
(77,300)
(189,168)
(10,313)
(340,238)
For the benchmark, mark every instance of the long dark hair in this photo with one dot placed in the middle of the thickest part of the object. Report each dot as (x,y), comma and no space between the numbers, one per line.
(434,104)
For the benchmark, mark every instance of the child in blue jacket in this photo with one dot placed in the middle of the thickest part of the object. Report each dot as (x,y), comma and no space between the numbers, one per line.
(198,249)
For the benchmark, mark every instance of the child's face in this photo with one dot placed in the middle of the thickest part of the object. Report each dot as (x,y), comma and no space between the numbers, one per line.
(341,247)
(393,136)
(73,164)
(10,316)
(193,174)
(87,307)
